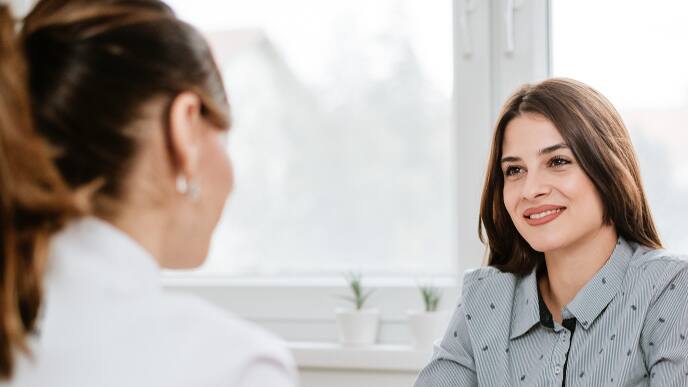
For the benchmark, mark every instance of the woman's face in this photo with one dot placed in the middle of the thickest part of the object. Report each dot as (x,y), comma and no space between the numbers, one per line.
(550,199)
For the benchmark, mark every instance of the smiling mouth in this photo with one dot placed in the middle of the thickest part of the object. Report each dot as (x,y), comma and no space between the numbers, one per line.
(542,217)
(543,214)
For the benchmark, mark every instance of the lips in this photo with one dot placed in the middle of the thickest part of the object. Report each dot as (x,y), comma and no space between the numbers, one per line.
(543,214)
(536,210)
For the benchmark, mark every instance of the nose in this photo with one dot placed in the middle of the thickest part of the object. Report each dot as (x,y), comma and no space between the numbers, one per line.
(535,186)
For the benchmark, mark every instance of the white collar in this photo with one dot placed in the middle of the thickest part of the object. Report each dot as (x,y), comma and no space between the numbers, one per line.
(93,250)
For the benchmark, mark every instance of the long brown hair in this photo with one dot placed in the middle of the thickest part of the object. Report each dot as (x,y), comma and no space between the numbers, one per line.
(34,203)
(88,68)
(599,140)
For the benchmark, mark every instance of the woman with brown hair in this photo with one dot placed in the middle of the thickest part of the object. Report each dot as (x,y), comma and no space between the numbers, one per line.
(578,290)
(129,98)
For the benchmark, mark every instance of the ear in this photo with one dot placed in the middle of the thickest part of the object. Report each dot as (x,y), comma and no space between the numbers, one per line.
(185,126)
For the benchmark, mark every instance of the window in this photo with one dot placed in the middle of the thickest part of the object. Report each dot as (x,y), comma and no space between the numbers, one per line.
(342,140)
(632,52)
(396,182)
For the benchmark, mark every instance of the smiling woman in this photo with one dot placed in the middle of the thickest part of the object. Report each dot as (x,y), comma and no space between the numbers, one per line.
(582,145)
(572,249)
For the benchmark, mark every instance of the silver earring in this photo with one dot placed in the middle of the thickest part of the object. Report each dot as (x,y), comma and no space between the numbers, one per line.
(188,187)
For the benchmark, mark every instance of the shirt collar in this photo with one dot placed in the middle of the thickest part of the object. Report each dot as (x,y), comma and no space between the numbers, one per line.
(93,250)
(588,304)
(526,312)
(604,285)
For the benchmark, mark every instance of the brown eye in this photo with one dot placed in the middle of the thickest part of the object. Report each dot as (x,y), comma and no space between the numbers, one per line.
(558,162)
(511,171)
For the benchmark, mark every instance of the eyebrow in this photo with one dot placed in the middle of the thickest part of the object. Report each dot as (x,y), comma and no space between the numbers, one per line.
(542,152)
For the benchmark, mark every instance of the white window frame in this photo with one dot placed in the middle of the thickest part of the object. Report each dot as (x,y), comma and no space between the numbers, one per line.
(302,309)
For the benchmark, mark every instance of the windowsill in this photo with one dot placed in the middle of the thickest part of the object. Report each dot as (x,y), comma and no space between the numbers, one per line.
(378,357)
(302,310)
(182,280)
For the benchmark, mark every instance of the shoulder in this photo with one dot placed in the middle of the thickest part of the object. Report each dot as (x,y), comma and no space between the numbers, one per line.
(488,279)
(484,318)
(662,278)
(489,293)
(656,264)
(644,256)
(654,270)
(227,344)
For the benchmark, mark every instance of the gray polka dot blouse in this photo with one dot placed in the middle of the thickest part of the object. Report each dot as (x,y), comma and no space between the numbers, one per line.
(627,327)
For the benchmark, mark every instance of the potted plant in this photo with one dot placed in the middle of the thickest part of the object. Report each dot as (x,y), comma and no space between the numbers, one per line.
(357,325)
(428,324)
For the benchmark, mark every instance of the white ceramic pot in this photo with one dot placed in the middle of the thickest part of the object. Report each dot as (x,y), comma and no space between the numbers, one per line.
(426,327)
(357,327)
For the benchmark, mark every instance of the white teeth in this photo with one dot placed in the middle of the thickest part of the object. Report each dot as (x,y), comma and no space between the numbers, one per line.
(541,215)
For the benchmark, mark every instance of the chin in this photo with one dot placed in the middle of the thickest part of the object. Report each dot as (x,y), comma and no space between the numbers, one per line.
(545,243)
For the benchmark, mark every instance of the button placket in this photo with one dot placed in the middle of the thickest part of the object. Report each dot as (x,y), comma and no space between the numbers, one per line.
(561,349)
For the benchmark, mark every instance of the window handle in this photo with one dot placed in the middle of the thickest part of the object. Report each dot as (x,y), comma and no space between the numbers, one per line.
(468,8)
(511,7)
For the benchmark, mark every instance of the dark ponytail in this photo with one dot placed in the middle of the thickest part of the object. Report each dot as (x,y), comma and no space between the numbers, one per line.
(93,67)
(34,203)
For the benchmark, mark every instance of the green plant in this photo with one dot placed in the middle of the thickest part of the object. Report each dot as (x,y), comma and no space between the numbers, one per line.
(359,294)
(431,297)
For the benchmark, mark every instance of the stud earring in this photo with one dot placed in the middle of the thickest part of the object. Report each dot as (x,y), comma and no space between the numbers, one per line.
(188,187)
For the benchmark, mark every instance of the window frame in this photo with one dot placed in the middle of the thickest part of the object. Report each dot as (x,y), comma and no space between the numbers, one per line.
(302,309)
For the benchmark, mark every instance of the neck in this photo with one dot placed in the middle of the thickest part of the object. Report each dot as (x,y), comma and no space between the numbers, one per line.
(144,226)
(571,267)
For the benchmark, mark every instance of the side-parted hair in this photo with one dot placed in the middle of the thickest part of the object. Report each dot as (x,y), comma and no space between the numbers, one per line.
(599,140)
(87,70)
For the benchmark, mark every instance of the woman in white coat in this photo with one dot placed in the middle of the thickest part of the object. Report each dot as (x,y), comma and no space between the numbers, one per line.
(132,104)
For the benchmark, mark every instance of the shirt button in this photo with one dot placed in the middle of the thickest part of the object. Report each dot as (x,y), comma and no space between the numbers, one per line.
(557,370)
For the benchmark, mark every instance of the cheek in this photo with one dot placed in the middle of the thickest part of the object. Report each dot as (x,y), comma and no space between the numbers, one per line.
(594,203)
(582,193)
(224,169)
(577,186)
(511,195)
(217,167)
